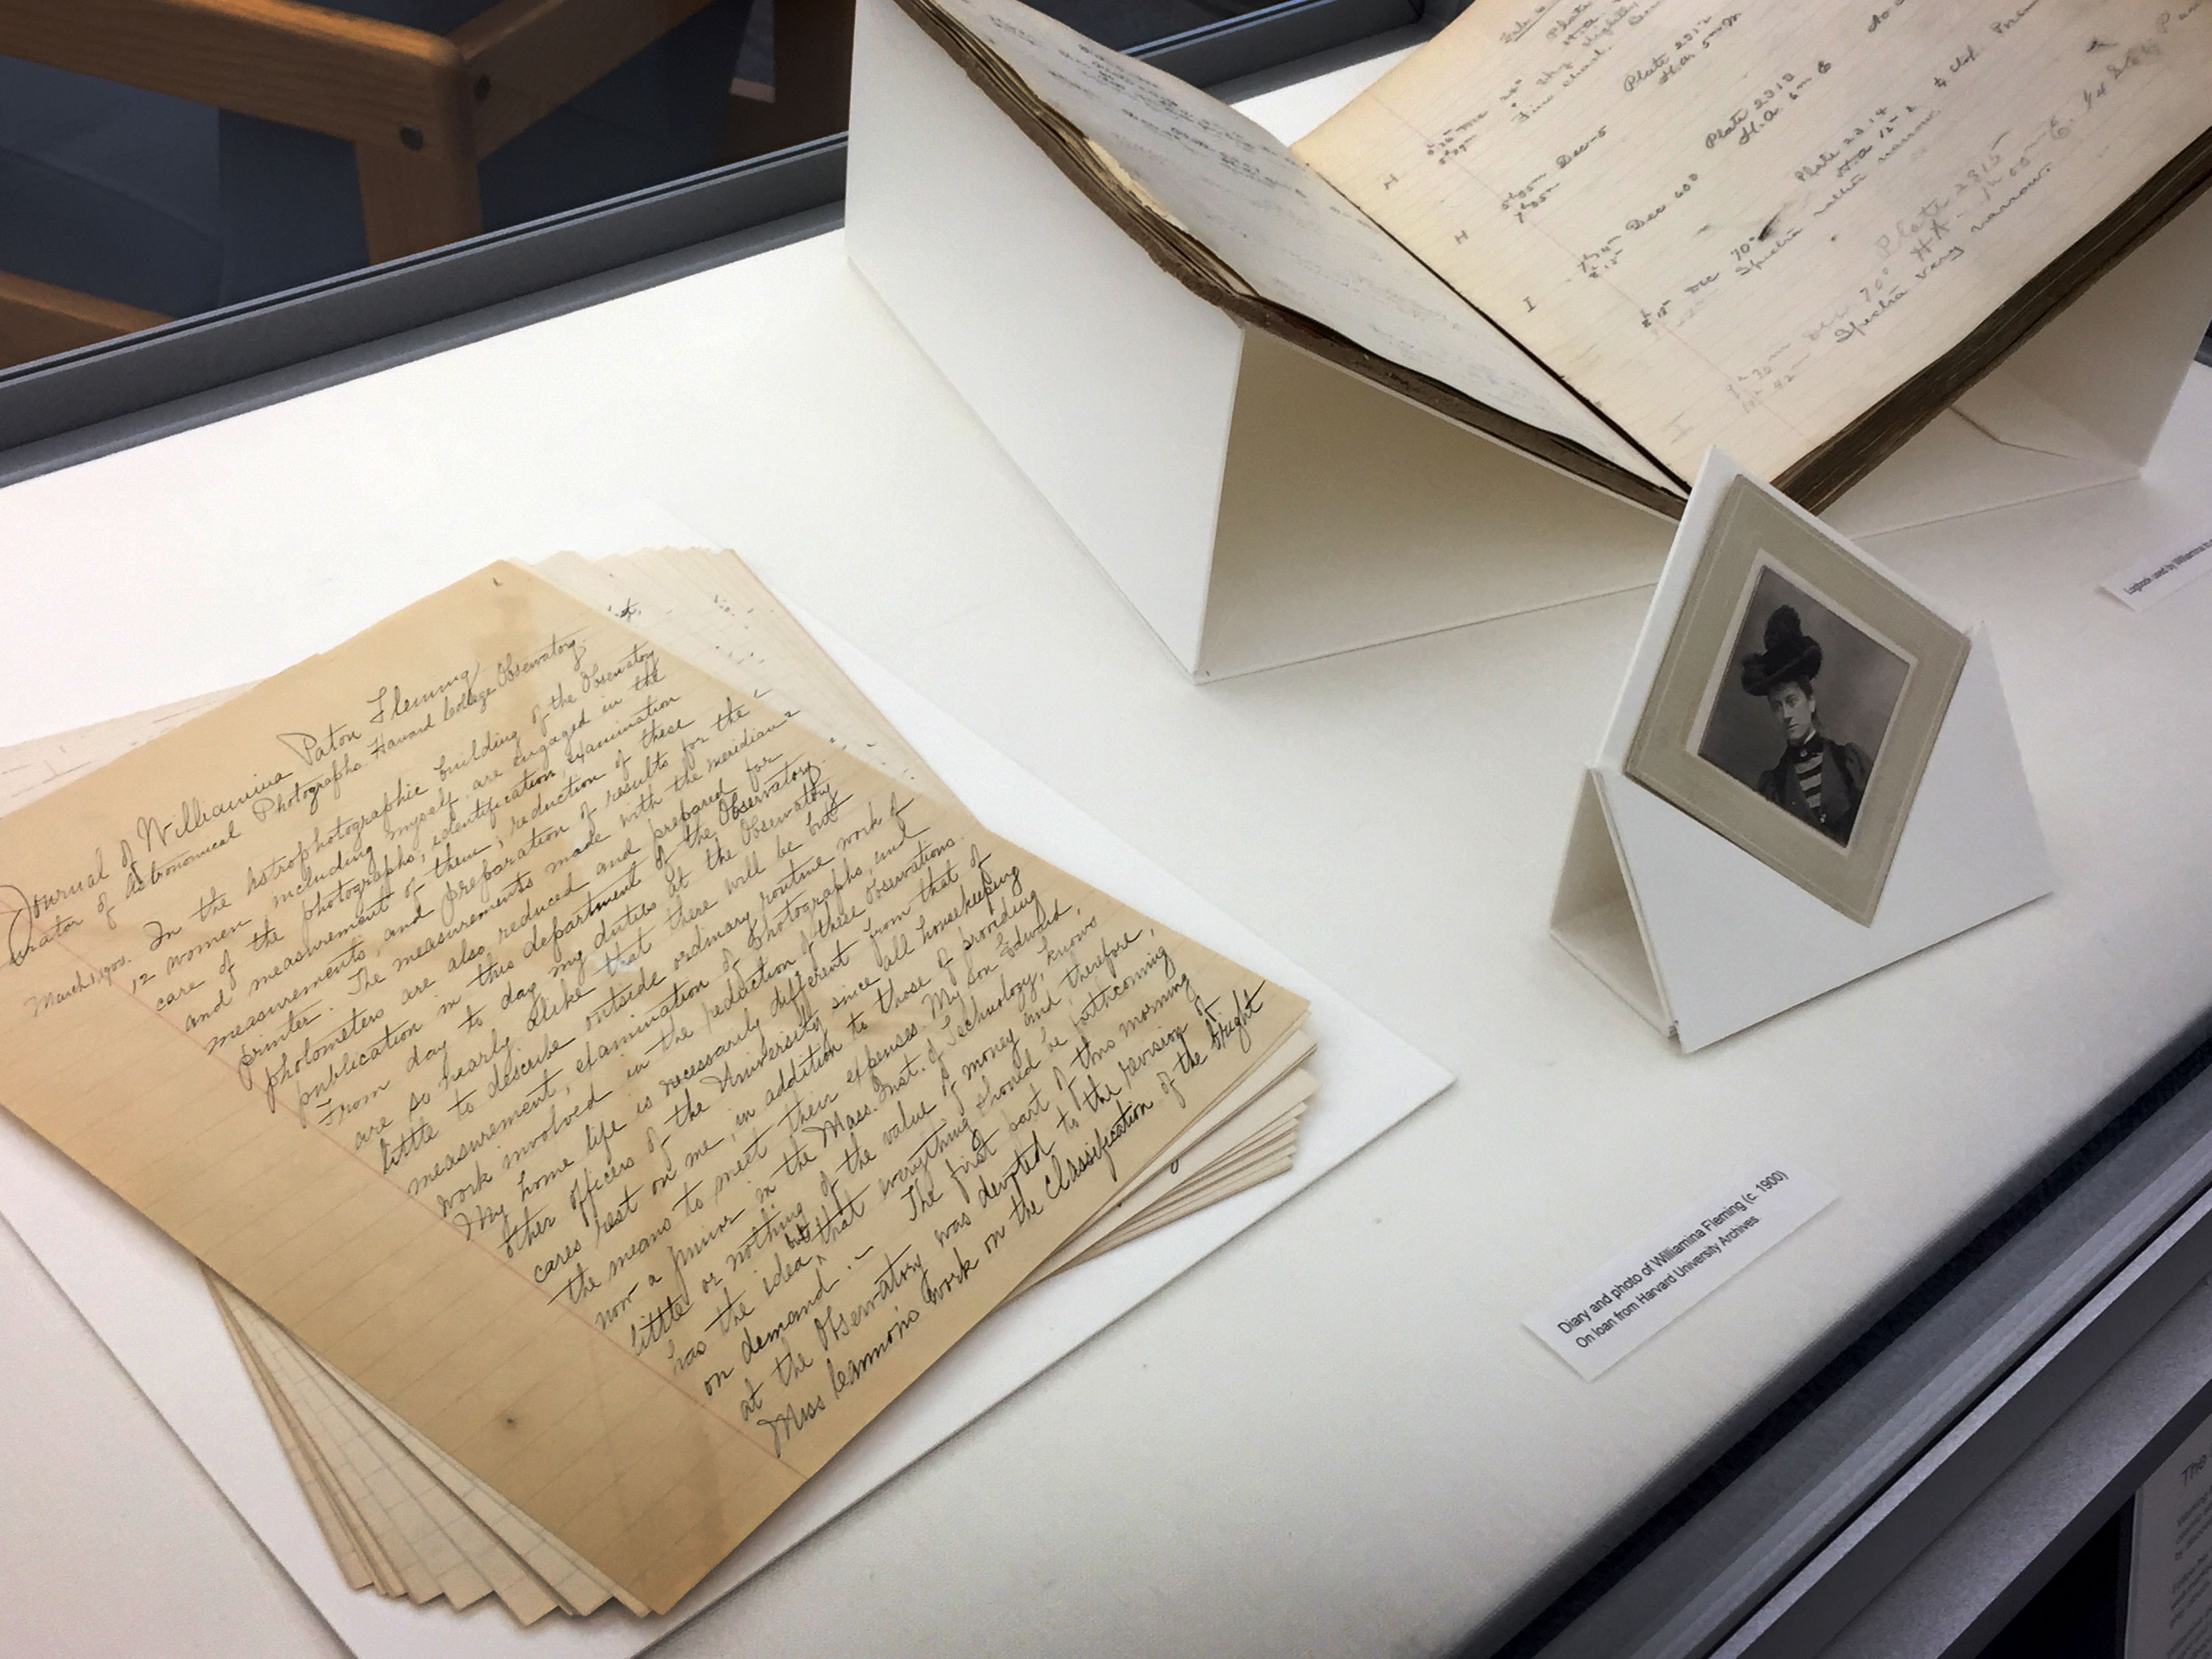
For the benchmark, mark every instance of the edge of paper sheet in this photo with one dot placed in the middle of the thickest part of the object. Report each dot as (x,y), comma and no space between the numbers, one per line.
(142,1295)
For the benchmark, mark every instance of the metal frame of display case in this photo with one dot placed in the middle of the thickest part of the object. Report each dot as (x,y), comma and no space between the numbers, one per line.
(2004,1406)
(2002,1398)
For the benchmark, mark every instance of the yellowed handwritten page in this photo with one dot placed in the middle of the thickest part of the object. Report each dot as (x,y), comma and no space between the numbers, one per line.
(628,1090)
(1747,225)
(341,1530)
(579,1588)
(40,767)
(398,1496)
(1255,1146)
(732,626)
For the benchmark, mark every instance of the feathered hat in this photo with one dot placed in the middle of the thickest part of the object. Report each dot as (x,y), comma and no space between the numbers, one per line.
(1790,654)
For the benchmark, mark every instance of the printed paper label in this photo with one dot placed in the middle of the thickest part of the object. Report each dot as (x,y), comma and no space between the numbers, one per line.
(2147,580)
(2169,1584)
(1643,1290)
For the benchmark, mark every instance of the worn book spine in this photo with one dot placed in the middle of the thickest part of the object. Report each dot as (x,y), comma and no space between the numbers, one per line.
(1827,472)
(1187,259)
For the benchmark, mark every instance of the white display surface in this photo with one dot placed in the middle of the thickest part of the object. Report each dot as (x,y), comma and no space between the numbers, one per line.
(1334,1435)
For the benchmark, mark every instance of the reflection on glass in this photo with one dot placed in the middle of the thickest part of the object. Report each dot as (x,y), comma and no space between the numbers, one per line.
(1123,24)
(164,157)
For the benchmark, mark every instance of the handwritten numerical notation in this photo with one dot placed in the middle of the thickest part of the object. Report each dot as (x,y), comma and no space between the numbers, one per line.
(1869,187)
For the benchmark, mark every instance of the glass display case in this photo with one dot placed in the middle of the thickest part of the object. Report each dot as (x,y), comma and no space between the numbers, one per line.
(1334,1435)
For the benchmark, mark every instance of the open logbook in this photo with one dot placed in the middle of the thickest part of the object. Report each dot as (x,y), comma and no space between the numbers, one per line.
(1611,234)
(598,1062)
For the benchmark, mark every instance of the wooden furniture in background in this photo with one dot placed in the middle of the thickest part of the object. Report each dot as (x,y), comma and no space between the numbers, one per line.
(37,320)
(813,82)
(421,110)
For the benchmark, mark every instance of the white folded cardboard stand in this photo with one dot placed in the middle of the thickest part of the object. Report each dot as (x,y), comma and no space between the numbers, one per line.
(1259,506)
(1704,939)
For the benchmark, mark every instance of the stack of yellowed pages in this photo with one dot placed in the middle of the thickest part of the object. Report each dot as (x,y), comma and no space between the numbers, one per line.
(597,1062)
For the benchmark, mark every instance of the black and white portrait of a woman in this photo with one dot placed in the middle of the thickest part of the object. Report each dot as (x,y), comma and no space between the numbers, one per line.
(1804,710)
(1798,694)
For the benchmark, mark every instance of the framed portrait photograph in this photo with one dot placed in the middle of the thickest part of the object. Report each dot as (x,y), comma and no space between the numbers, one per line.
(1797,699)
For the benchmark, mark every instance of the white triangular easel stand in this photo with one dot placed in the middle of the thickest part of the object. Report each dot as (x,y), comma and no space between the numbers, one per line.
(1258,506)
(1685,925)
